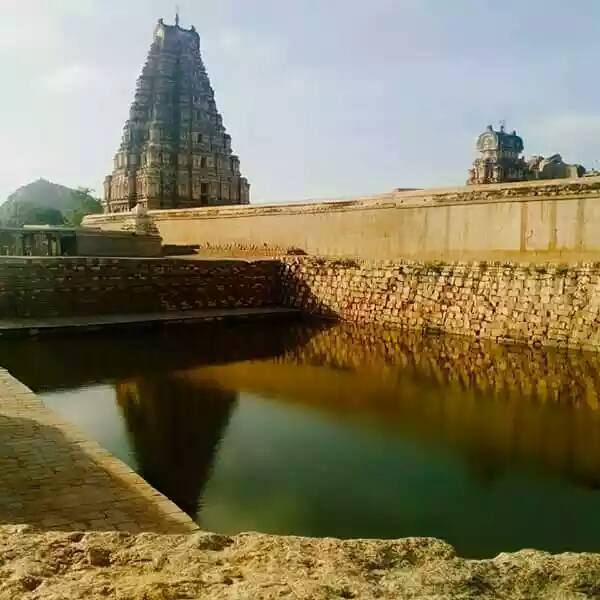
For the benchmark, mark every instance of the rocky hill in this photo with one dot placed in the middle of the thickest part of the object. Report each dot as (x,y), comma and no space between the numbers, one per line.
(45,203)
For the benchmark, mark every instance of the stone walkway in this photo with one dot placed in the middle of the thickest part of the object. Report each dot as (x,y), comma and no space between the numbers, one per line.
(53,477)
(63,324)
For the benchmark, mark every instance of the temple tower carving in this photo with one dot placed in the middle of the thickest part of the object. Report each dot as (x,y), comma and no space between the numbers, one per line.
(175,152)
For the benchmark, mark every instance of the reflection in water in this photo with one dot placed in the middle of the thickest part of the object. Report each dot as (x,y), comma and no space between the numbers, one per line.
(175,430)
(323,429)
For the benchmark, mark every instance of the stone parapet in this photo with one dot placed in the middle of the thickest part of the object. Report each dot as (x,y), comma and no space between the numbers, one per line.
(534,304)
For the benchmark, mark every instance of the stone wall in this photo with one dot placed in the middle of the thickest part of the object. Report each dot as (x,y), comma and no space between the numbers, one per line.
(555,305)
(541,220)
(51,286)
(535,304)
(103,243)
(65,241)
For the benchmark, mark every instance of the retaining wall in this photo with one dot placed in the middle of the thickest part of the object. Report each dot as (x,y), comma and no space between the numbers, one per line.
(543,220)
(555,305)
(52,286)
(536,304)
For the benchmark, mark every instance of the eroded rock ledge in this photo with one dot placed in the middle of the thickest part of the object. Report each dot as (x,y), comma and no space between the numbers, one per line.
(52,566)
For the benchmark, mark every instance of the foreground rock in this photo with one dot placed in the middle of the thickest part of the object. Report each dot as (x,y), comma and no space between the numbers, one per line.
(53,566)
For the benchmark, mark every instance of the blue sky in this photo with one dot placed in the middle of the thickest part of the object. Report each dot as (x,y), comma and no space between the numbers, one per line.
(323,98)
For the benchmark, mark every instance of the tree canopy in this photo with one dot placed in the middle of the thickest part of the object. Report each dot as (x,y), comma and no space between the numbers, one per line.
(46,203)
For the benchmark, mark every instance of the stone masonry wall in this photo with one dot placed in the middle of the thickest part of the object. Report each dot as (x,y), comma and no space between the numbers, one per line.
(553,305)
(543,304)
(51,287)
(533,221)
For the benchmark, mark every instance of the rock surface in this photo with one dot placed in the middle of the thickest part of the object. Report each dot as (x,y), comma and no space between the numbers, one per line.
(53,566)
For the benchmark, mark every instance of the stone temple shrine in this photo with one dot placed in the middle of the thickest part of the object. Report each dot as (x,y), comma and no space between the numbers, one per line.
(500,160)
(175,152)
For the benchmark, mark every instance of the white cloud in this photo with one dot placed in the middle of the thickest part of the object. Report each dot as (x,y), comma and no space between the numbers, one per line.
(238,45)
(73,78)
(29,35)
(34,26)
(576,136)
(584,126)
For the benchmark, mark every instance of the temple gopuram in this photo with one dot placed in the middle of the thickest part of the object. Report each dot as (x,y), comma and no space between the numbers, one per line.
(175,152)
(500,161)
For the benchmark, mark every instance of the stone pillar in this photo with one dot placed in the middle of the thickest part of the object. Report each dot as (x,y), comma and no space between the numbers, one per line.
(19,246)
(107,193)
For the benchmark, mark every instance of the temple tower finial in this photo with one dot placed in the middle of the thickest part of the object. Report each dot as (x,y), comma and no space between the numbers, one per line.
(177,16)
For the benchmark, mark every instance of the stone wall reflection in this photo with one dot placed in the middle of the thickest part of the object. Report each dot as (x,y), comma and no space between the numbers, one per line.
(494,405)
(543,375)
(497,403)
(175,430)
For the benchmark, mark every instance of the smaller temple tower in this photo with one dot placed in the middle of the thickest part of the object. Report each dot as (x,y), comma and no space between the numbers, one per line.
(500,160)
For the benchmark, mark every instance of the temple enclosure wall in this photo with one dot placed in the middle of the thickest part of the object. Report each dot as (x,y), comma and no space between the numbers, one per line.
(56,287)
(542,220)
(546,305)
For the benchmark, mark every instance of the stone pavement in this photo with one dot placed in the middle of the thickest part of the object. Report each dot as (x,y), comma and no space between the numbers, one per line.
(64,324)
(53,477)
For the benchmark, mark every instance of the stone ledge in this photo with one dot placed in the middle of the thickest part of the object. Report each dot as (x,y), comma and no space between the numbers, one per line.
(51,325)
(53,477)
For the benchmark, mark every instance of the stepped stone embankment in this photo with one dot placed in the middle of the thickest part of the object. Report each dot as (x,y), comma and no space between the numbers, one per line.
(533,304)
(37,287)
(36,563)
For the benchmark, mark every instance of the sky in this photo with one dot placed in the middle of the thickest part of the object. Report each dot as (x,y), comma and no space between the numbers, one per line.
(322,98)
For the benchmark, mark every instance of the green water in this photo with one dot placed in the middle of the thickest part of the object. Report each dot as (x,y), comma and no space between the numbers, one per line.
(333,431)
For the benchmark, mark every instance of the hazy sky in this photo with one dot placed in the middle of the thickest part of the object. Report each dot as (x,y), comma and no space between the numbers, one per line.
(323,98)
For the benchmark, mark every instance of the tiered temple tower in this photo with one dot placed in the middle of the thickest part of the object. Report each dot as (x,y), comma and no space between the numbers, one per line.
(175,152)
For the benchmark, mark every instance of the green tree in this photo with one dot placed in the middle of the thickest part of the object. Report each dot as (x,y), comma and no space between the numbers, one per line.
(74,204)
(85,204)
(36,215)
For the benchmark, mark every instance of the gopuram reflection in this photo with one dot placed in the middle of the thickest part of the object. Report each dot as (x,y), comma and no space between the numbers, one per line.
(175,430)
